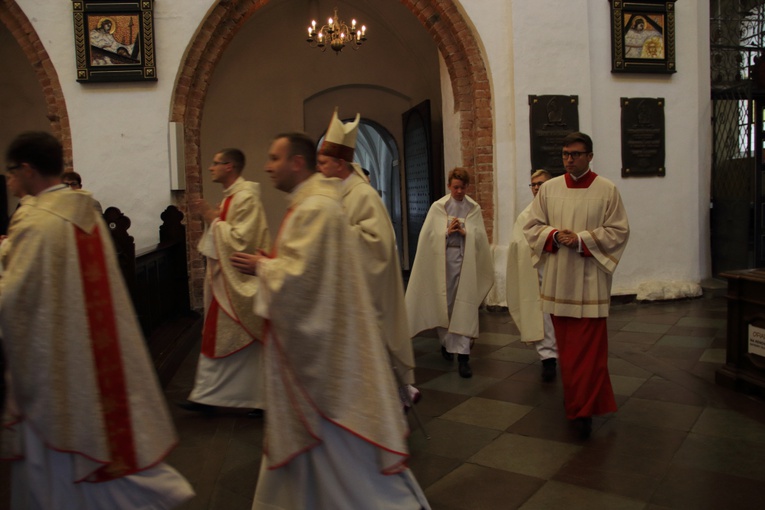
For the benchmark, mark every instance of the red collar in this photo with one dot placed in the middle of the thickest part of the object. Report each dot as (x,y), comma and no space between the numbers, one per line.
(583,182)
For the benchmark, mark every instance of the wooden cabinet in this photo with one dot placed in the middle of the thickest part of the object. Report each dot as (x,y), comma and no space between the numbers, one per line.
(744,371)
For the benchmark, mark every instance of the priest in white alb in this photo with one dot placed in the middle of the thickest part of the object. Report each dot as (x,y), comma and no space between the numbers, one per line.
(335,435)
(85,422)
(230,368)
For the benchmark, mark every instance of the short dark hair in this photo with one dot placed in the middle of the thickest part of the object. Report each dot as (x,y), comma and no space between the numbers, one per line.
(460,174)
(580,137)
(235,157)
(40,150)
(72,176)
(300,144)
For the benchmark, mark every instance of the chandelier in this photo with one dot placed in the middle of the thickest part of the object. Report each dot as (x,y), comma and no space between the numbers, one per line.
(336,33)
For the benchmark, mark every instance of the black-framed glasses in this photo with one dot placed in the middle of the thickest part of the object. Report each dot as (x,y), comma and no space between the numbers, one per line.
(573,154)
(536,184)
(221,162)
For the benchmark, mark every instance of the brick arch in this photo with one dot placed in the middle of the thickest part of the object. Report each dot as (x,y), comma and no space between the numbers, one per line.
(18,24)
(451,34)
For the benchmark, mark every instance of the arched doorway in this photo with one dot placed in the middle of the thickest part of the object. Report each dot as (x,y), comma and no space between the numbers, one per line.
(450,33)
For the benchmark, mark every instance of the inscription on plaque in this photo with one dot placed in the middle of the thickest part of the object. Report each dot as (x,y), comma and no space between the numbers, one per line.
(551,118)
(643,139)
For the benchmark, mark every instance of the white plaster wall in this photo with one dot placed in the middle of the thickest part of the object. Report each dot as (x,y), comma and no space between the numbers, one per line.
(558,48)
(119,131)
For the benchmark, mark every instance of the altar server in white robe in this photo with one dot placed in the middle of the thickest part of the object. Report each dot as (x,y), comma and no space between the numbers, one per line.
(452,273)
(522,290)
(579,225)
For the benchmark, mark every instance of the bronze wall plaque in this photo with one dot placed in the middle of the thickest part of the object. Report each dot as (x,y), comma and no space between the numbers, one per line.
(551,118)
(643,136)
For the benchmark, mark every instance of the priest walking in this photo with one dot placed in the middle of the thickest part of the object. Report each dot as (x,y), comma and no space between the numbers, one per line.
(578,227)
(230,369)
(85,422)
(335,435)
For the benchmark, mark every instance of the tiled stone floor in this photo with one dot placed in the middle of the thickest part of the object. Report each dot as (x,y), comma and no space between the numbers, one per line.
(501,441)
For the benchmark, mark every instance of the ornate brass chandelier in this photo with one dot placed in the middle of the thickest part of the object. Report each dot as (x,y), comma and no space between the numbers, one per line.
(336,34)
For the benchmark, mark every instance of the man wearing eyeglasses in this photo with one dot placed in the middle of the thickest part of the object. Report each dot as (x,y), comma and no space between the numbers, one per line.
(579,229)
(523,299)
(74,181)
(85,424)
(230,368)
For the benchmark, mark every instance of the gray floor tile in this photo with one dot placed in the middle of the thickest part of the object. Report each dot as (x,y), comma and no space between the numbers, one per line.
(489,413)
(540,458)
(659,414)
(697,342)
(452,439)
(730,424)
(645,327)
(571,497)
(519,354)
(625,385)
(477,487)
(735,457)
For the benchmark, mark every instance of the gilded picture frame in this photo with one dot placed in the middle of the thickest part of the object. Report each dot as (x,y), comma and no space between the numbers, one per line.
(114,41)
(643,36)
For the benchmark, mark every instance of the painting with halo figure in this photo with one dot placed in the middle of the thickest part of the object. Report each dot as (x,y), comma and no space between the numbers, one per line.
(643,36)
(114,41)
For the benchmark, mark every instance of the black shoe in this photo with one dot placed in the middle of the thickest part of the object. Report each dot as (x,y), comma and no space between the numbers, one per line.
(584,424)
(448,356)
(464,366)
(196,407)
(549,369)
(255,413)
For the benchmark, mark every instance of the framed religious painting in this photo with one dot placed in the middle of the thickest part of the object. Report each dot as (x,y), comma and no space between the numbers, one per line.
(643,36)
(114,40)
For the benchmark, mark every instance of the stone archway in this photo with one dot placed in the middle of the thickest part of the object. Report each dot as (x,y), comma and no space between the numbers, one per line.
(451,34)
(18,24)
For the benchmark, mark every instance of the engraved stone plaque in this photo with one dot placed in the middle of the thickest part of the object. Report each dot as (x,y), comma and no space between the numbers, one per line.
(551,119)
(643,137)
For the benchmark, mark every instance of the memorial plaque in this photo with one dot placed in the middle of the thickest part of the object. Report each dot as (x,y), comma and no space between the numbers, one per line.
(643,139)
(551,119)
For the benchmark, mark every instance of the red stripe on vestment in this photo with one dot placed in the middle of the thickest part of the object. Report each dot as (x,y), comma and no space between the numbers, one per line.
(224,208)
(107,357)
(209,333)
